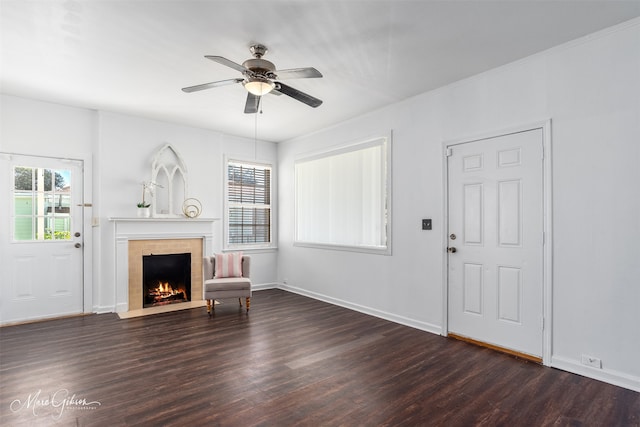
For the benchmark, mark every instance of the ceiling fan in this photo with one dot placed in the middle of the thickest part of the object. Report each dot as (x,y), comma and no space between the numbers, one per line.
(259,78)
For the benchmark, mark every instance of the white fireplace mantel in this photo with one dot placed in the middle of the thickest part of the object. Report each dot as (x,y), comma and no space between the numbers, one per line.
(126,229)
(162,228)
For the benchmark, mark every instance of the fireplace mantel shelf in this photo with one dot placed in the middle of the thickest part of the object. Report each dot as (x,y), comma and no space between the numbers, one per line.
(163,219)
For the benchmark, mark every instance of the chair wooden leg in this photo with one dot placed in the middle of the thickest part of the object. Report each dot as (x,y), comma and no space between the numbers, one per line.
(248,303)
(209,307)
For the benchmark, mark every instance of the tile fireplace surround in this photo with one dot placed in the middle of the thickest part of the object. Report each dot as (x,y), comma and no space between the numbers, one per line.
(136,237)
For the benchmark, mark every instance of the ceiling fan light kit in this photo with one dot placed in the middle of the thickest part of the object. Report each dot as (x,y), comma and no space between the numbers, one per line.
(259,79)
(259,86)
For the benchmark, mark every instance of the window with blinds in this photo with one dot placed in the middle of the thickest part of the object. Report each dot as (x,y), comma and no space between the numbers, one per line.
(248,204)
(342,198)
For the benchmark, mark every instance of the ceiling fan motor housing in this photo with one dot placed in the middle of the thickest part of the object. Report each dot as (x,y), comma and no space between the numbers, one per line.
(260,67)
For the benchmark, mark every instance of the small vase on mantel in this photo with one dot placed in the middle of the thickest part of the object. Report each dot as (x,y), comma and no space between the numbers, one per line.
(144,212)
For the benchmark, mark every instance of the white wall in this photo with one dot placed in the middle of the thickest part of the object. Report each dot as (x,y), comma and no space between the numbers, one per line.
(45,129)
(120,149)
(591,90)
(126,146)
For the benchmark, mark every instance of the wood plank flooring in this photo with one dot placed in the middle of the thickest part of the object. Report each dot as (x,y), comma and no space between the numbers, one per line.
(292,361)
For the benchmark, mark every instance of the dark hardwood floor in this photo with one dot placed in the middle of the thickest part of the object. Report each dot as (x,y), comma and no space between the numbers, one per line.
(291,361)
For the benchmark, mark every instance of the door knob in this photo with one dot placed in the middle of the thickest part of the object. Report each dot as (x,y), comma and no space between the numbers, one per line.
(78,245)
(451,250)
(77,234)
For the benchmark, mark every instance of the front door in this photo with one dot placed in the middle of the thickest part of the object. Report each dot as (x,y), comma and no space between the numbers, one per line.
(495,241)
(40,237)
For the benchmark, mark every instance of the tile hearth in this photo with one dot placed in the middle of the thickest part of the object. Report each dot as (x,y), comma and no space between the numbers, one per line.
(163,309)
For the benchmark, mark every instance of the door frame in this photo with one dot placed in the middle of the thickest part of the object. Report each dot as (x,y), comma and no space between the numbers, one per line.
(88,222)
(547,245)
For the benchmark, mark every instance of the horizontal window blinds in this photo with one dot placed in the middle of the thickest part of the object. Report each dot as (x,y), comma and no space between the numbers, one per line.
(249,204)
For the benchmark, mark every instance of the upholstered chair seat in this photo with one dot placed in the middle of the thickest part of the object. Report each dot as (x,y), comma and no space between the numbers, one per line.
(220,285)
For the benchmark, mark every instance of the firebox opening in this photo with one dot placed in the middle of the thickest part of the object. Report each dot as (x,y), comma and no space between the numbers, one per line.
(166,279)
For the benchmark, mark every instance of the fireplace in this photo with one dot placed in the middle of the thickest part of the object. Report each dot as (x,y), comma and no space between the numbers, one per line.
(135,238)
(139,250)
(166,279)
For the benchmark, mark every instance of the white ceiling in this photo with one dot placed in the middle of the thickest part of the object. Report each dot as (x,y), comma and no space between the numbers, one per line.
(134,56)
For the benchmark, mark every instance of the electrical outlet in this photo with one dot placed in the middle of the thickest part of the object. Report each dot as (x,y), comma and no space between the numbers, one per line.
(426,224)
(594,362)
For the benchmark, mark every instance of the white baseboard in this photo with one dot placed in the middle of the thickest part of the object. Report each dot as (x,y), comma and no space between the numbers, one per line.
(424,326)
(264,286)
(35,319)
(605,375)
(102,309)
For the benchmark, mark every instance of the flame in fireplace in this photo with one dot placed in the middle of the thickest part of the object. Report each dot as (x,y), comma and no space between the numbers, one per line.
(164,292)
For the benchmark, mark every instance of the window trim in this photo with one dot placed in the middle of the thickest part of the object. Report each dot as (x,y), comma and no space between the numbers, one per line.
(360,143)
(226,246)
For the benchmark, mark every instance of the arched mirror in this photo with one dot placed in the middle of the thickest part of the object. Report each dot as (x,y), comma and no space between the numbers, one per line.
(169,178)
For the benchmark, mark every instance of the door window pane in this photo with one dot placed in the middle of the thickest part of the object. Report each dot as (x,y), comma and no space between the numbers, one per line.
(23,178)
(23,228)
(22,203)
(42,204)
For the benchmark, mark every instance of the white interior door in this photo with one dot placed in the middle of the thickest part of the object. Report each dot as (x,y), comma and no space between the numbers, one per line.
(495,277)
(40,237)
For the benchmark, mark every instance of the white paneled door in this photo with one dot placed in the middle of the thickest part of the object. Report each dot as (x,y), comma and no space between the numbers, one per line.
(40,238)
(495,241)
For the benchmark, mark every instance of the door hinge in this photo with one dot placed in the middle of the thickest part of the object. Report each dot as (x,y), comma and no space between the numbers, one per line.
(542,323)
(449,152)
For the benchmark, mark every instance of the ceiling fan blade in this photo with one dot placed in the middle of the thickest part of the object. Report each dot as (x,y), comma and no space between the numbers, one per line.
(298,73)
(253,102)
(211,85)
(298,95)
(227,62)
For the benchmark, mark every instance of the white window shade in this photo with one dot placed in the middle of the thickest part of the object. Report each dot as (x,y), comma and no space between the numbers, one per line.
(342,197)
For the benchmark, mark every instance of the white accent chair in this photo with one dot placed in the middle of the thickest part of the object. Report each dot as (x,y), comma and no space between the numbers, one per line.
(229,287)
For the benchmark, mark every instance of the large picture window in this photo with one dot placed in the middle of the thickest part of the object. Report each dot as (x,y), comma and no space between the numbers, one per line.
(248,205)
(343,197)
